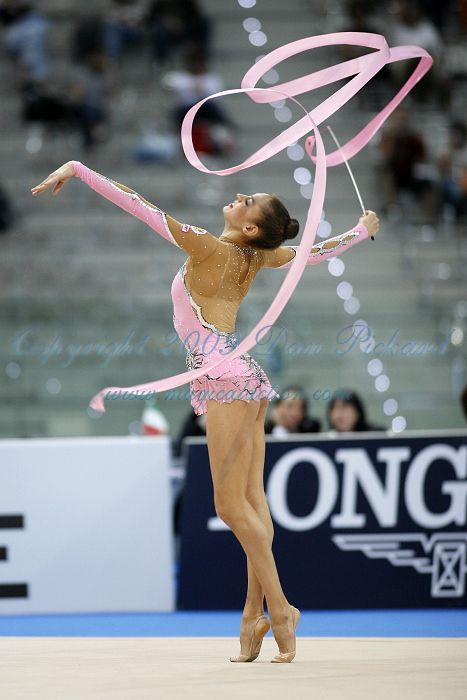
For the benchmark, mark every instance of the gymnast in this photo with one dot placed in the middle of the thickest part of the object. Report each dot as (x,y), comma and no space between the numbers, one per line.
(207,291)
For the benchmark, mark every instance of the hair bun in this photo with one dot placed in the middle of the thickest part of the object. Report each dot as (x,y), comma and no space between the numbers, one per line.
(292,228)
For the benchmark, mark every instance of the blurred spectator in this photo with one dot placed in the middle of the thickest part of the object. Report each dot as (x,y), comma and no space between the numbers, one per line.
(412,26)
(462,14)
(193,426)
(6,211)
(91,88)
(24,37)
(290,414)
(463,400)
(87,37)
(212,128)
(156,145)
(11,11)
(175,25)
(42,103)
(452,166)
(438,12)
(403,154)
(346,413)
(122,27)
(358,17)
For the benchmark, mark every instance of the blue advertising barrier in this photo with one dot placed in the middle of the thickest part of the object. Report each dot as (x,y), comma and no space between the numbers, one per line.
(360,521)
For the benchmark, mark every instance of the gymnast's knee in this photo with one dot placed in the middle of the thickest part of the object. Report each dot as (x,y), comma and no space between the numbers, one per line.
(229,508)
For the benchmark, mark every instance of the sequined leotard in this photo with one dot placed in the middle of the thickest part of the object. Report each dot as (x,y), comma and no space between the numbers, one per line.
(208,289)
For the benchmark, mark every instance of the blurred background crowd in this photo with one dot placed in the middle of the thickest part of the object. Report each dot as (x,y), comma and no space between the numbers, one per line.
(175,39)
(173,36)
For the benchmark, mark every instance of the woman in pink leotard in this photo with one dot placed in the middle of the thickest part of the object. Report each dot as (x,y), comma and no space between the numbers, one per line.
(207,291)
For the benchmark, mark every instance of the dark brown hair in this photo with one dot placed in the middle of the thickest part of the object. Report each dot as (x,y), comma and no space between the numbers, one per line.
(293,391)
(276,226)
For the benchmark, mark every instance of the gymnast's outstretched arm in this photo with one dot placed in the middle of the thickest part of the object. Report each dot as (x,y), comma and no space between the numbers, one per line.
(282,256)
(197,242)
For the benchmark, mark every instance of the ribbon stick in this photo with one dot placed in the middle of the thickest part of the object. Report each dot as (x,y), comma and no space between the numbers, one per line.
(350,172)
(363,69)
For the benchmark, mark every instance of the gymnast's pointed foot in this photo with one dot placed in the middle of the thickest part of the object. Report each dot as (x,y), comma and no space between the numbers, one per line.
(284,634)
(252,632)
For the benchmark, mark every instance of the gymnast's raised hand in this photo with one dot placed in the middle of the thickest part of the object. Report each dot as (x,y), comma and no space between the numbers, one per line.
(58,178)
(371,221)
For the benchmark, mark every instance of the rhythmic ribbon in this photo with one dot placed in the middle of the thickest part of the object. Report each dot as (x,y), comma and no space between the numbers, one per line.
(363,69)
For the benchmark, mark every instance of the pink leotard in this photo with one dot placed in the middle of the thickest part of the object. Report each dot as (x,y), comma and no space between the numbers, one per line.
(220,274)
(241,378)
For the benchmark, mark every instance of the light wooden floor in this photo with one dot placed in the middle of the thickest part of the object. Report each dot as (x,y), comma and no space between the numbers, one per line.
(325,668)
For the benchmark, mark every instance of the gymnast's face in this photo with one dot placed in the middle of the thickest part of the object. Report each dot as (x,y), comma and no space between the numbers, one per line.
(246,211)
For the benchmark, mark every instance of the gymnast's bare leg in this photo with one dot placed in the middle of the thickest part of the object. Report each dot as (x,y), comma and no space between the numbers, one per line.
(231,429)
(254,603)
(257,498)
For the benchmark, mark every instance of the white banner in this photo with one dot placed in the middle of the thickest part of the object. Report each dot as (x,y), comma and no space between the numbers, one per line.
(85,525)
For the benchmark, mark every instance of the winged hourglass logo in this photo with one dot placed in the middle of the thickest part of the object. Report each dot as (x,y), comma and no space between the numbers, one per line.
(443,555)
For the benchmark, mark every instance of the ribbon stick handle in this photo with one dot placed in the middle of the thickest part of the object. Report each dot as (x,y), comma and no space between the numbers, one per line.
(348,168)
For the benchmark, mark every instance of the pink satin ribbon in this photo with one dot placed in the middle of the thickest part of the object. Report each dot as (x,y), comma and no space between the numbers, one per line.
(363,69)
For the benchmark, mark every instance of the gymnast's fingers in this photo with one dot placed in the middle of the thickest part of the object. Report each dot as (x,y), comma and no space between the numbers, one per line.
(45,184)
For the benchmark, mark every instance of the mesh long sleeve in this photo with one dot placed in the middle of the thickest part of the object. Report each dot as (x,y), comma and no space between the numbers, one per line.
(329,248)
(126,199)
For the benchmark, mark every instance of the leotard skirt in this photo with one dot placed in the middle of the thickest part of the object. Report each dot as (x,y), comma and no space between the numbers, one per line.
(242,378)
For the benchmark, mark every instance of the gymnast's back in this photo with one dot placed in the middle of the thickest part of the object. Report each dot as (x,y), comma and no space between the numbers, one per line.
(219,283)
